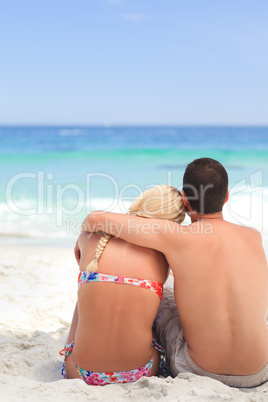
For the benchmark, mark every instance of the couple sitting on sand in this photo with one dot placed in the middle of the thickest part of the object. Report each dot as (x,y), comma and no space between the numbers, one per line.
(211,317)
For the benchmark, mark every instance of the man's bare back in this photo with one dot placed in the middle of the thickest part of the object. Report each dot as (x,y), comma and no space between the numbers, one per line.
(221,282)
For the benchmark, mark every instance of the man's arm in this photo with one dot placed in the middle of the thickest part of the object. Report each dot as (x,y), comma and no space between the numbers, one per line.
(152,233)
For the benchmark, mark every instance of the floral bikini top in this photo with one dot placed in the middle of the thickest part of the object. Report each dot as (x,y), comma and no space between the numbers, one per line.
(155,287)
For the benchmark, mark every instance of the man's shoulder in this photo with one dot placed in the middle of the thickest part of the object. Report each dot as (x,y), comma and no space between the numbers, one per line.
(208,230)
(246,230)
(254,232)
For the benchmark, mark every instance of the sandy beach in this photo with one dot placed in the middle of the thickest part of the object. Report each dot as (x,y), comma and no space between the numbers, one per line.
(38,293)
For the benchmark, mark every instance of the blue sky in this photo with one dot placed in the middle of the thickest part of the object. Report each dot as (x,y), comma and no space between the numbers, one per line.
(167,62)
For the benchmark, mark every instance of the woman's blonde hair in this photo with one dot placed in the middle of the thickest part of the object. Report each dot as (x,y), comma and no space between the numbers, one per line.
(159,202)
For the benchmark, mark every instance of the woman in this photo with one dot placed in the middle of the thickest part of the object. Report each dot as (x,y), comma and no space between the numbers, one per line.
(111,332)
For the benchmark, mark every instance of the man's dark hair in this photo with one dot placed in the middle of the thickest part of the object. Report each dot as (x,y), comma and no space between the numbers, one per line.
(205,183)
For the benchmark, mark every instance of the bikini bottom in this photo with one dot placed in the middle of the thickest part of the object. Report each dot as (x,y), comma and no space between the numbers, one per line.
(111,377)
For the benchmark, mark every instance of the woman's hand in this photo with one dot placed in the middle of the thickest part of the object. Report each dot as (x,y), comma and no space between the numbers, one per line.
(77,252)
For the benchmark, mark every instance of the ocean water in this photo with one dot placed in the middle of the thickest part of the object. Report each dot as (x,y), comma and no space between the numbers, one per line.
(51,177)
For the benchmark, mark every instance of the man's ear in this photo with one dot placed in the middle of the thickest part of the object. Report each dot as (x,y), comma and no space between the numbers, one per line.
(227,197)
(185,201)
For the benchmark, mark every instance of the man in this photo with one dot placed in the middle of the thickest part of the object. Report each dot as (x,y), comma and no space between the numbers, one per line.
(220,282)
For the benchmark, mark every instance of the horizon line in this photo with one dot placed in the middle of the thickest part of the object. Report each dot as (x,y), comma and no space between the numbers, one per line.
(119,125)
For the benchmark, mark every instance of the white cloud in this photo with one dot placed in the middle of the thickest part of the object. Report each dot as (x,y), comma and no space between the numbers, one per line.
(134,17)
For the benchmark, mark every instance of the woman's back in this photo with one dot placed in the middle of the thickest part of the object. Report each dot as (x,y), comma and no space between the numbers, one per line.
(114,329)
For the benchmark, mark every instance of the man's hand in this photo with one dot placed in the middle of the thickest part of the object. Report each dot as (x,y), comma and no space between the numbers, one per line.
(77,252)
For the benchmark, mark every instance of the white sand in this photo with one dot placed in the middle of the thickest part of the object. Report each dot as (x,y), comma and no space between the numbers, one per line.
(38,293)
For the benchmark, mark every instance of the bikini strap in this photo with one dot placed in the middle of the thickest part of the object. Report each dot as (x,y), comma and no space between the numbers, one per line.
(67,349)
(154,286)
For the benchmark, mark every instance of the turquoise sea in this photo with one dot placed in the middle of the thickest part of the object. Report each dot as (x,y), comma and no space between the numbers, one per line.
(51,177)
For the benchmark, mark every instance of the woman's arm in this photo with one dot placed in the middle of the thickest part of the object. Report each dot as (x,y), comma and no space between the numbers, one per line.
(77,252)
(157,234)
(78,255)
(73,326)
(79,246)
